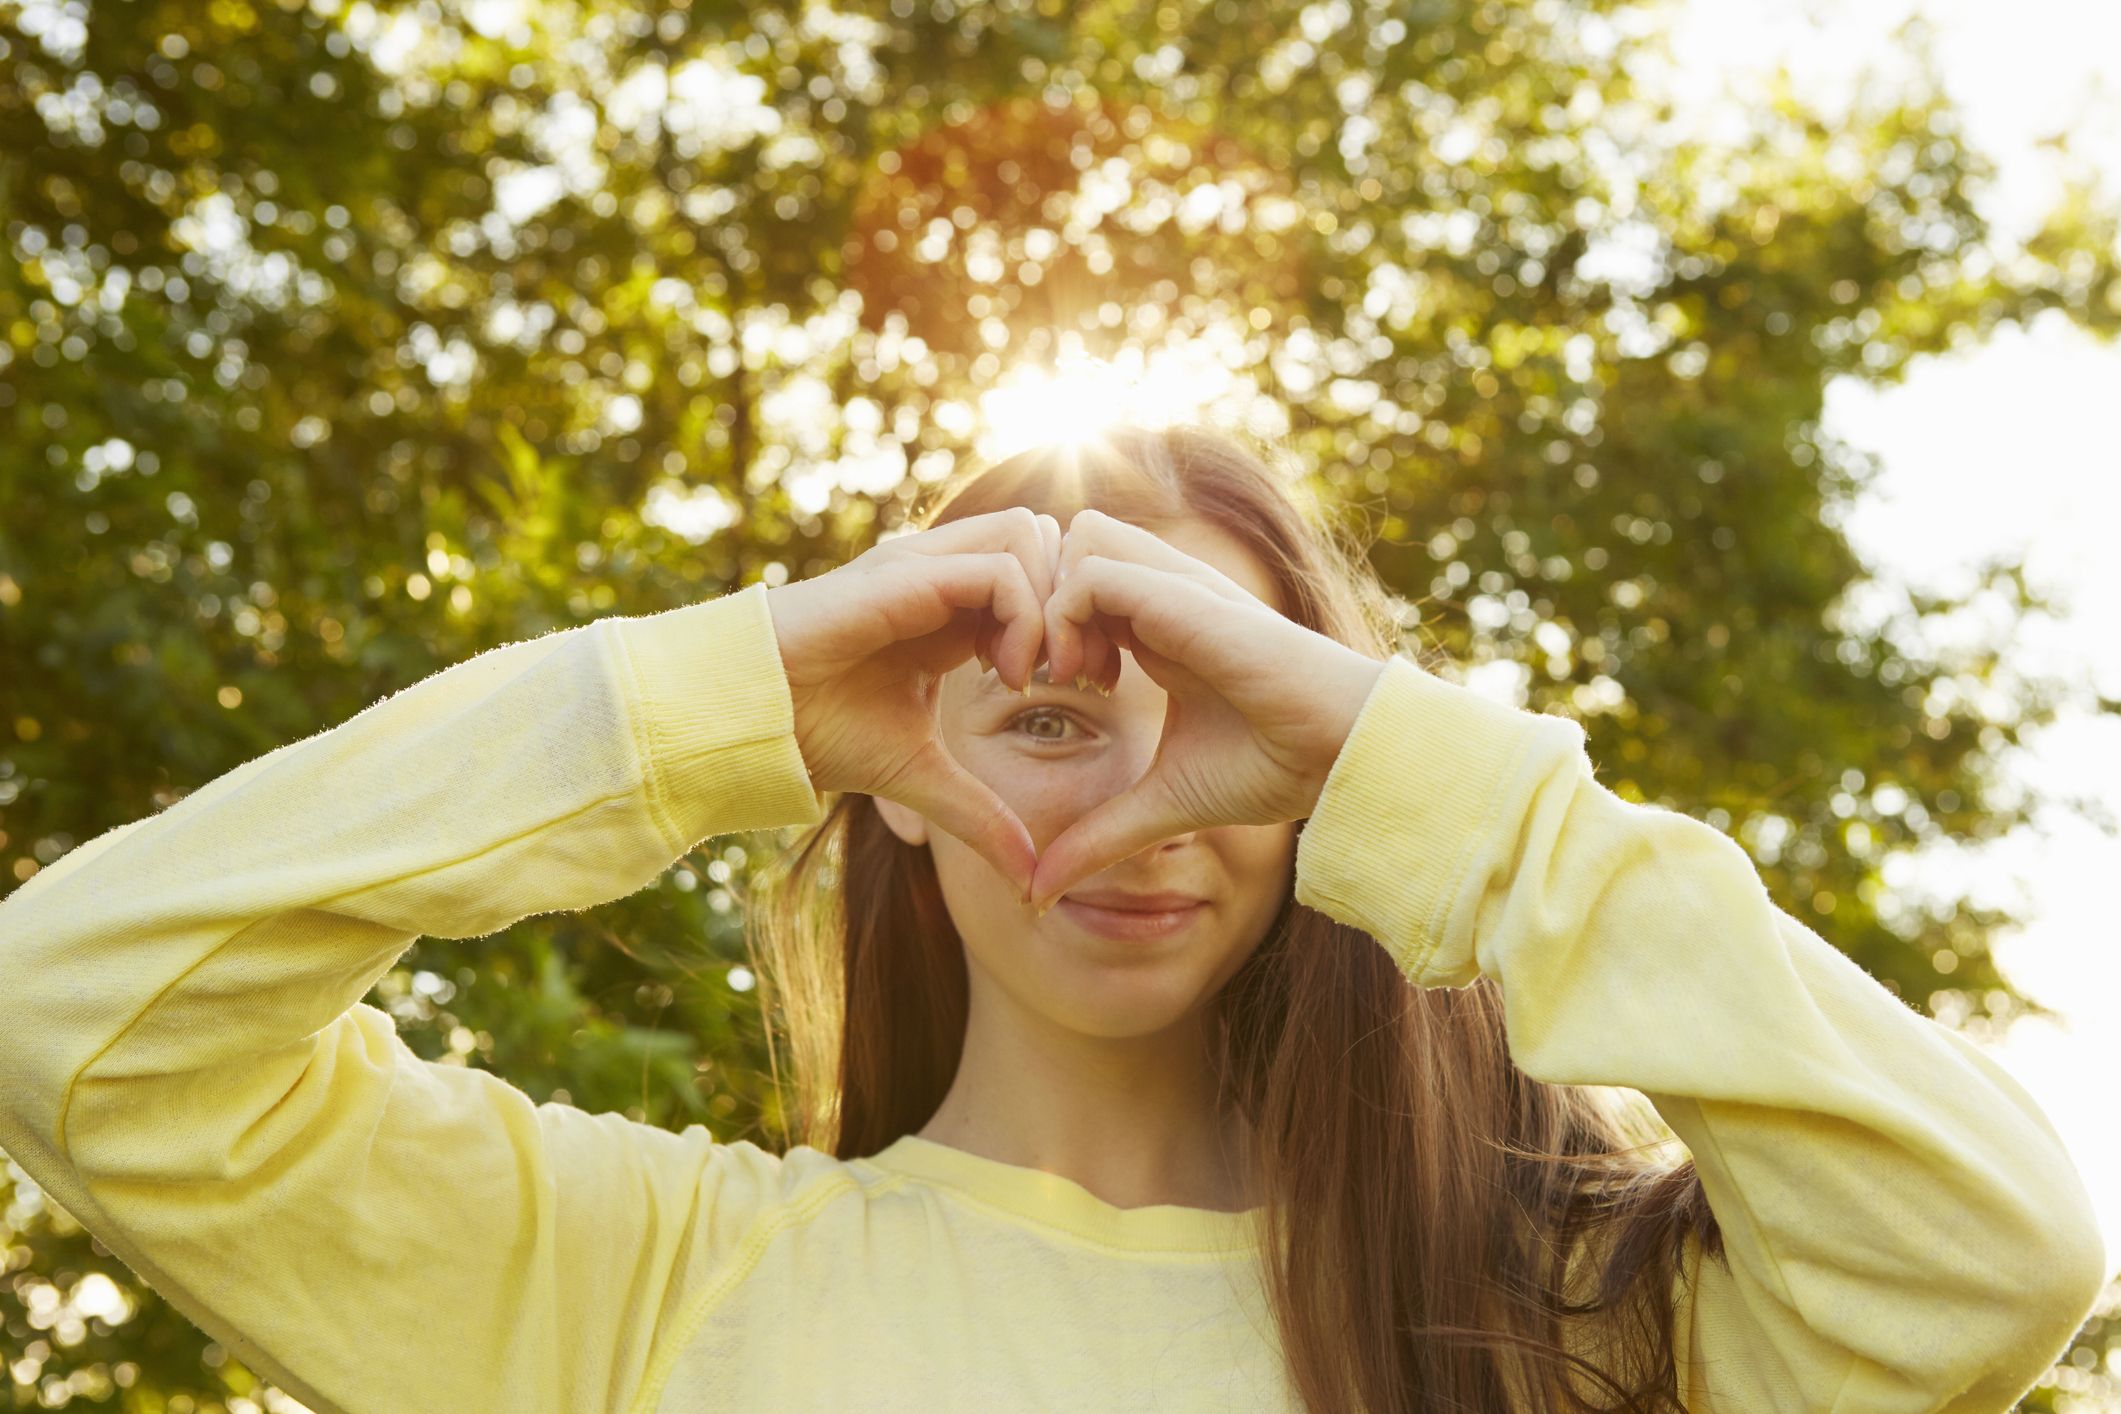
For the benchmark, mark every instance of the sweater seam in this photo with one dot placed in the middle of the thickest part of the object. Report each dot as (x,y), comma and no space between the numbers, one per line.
(642,731)
(769,1226)
(648,758)
(1789,1292)
(1441,914)
(1055,1229)
(1855,1363)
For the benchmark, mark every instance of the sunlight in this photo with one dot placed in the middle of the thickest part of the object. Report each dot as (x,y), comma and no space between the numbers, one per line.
(1081,396)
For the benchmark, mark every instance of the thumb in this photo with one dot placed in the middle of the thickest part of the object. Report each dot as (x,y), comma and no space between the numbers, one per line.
(955,800)
(1113,830)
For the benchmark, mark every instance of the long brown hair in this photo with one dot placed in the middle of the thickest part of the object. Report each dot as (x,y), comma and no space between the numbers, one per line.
(1440,1230)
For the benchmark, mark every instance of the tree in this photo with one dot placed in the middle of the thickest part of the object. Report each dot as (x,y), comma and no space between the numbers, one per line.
(339,346)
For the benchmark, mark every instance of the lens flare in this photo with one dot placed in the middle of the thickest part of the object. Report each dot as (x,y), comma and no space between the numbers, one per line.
(1078,397)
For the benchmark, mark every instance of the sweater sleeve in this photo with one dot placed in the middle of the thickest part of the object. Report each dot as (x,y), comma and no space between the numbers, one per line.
(1903,1227)
(187,1066)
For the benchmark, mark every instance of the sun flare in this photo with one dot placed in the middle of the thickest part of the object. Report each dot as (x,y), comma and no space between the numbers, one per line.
(1079,396)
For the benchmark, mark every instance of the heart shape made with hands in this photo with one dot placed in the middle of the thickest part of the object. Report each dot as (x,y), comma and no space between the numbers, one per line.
(1257,707)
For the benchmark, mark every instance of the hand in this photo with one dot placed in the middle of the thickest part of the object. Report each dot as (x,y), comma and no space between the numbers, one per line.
(1259,708)
(865,645)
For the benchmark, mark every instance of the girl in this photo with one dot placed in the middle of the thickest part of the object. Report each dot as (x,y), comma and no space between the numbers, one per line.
(1198,1007)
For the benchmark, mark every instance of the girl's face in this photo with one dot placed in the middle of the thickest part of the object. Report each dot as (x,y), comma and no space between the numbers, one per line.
(1051,757)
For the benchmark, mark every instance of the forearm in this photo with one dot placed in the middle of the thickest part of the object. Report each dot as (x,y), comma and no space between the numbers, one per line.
(549,774)
(1898,1213)
(187,1067)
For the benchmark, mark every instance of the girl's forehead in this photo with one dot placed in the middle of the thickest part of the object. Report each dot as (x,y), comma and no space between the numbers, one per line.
(1208,542)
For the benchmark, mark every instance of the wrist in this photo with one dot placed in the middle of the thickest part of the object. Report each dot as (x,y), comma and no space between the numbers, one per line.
(1347,690)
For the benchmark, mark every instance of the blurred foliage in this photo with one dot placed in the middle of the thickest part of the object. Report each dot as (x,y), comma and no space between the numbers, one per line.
(2087,1379)
(341,342)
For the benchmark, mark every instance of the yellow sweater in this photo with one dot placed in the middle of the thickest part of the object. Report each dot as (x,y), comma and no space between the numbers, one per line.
(186,1065)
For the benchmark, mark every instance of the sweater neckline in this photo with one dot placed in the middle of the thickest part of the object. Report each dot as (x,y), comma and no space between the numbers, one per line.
(1049,1200)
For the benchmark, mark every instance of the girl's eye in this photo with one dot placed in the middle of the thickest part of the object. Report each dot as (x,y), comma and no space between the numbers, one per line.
(1047,715)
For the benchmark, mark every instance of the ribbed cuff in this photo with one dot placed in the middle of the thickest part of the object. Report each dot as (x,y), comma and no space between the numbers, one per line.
(717,723)
(1432,778)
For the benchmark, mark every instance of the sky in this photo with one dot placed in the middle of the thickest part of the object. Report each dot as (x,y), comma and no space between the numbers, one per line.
(2030,411)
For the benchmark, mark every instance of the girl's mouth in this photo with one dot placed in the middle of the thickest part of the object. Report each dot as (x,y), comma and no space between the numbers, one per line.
(1127,922)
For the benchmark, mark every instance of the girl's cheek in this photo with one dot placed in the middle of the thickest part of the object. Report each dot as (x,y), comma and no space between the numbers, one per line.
(1048,796)
(1045,795)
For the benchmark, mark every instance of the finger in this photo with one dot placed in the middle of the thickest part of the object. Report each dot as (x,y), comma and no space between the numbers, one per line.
(1116,630)
(1050,531)
(1015,530)
(1089,652)
(1064,648)
(1112,631)
(1096,657)
(1081,650)
(1100,657)
(1114,830)
(955,800)
(990,630)
(994,583)
(1092,532)
(1170,614)
(985,630)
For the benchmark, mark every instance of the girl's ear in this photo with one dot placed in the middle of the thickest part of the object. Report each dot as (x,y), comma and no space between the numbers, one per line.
(908,824)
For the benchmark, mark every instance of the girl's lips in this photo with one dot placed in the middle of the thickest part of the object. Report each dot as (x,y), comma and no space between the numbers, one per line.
(1129,923)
